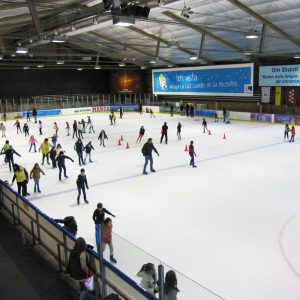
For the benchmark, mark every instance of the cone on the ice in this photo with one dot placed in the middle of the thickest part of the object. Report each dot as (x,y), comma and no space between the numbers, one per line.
(121,138)
(209,133)
(186,148)
(127,146)
(224,137)
(119,142)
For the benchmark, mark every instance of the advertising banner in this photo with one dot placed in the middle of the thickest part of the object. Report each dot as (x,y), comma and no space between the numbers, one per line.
(292,95)
(261,117)
(287,119)
(225,80)
(278,91)
(283,75)
(44,113)
(265,94)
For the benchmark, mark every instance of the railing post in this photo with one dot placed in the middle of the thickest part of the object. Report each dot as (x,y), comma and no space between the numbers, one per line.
(13,214)
(32,233)
(102,267)
(161,281)
(59,258)
(37,219)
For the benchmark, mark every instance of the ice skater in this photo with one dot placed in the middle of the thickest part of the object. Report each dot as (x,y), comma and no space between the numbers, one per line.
(54,139)
(32,142)
(147,152)
(88,151)
(99,217)
(224,114)
(35,174)
(68,128)
(21,176)
(34,114)
(55,127)
(216,117)
(9,155)
(28,116)
(81,183)
(121,112)
(113,117)
(4,117)
(4,148)
(75,129)
(107,238)
(192,154)
(286,132)
(78,147)
(102,136)
(45,147)
(204,125)
(3,129)
(83,123)
(79,130)
(40,127)
(293,133)
(91,127)
(227,117)
(164,133)
(18,126)
(26,129)
(53,154)
(151,113)
(179,131)
(141,134)
(60,159)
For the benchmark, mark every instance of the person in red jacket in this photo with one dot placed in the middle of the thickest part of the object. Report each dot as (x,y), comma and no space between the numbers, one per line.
(293,133)
(192,154)
(107,238)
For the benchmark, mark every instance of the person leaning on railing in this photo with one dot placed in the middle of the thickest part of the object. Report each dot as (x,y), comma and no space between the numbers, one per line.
(170,286)
(69,224)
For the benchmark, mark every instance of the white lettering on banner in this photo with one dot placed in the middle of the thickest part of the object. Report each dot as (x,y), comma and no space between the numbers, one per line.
(100,109)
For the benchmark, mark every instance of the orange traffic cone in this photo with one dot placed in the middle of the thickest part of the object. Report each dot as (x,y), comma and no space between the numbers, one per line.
(209,133)
(224,137)
(186,148)
(127,145)
(119,142)
(121,138)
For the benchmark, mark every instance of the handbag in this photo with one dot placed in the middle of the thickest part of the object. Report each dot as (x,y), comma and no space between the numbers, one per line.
(89,281)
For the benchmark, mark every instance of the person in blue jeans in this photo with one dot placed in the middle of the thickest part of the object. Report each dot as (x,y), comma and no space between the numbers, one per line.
(147,152)
(81,185)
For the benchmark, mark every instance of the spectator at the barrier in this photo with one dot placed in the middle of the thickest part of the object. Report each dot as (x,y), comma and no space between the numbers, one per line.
(36,175)
(107,238)
(69,224)
(170,286)
(99,217)
(21,176)
(192,110)
(171,110)
(224,114)
(148,278)
(187,110)
(34,114)
(28,116)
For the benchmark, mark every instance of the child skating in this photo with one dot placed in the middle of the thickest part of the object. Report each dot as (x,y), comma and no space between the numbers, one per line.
(35,174)
(32,143)
(192,154)
(141,134)
(286,132)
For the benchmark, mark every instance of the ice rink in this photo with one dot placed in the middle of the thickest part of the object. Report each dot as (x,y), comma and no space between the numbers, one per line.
(232,224)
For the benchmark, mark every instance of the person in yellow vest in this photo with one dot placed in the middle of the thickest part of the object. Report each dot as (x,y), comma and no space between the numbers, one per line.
(45,147)
(21,176)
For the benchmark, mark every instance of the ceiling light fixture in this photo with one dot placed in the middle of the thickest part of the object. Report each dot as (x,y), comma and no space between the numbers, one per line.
(122,64)
(40,66)
(97,67)
(186,12)
(60,62)
(25,68)
(153,61)
(252,34)
(174,45)
(58,39)
(1,57)
(194,57)
(123,21)
(21,50)
(297,56)
(79,69)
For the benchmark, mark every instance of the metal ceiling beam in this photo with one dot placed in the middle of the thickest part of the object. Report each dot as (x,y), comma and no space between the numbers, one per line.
(35,18)
(201,49)
(201,29)
(158,39)
(263,20)
(157,50)
(150,55)
(2,46)
(262,38)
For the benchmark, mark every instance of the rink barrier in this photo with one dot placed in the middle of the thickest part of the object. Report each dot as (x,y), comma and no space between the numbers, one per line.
(58,242)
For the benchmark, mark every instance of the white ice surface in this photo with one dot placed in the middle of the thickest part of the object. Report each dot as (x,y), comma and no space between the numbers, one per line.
(232,224)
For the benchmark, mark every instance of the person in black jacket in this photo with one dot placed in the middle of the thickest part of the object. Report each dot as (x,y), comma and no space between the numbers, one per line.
(102,136)
(141,134)
(179,130)
(75,131)
(164,133)
(9,155)
(53,154)
(147,152)
(61,163)
(88,151)
(78,147)
(171,110)
(26,129)
(69,224)
(81,185)
(204,125)
(99,217)
(18,125)
(34,114)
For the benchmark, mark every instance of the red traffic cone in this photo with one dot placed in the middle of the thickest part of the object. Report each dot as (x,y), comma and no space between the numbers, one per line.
(209,133)
(127,146)
(224,137)
(186,148)
(119,142)
(121,138)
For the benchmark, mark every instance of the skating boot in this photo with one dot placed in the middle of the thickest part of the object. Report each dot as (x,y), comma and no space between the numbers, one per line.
(112,259)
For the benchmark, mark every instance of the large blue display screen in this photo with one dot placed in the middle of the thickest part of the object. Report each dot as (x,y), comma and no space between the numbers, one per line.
(229,80)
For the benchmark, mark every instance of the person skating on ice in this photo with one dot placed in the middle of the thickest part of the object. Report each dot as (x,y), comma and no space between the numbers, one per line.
(179,131)
(4,148)
(78,147)
(45,148)
(293,133)
(141,134)
(88,151)
(18,126)
(83,123)
(224,114)
(102,136)
(81,183)
(107,238)
(34,114)
(35,174)
(53,154)
(79,130)
(21,176)
(151,113)
(90,124)
(216,117)
(99,217)
(3,130)
(60,159)
(164,133)
(55,127)
(9,155)
(68,128)
(192,154)
(204,125)
(121,112)
(286,132)
(113,117)
(54,139)
(75,129)
(32,142)
(26,129)
(171,110)
(28,116)
(147,152)
(40,127)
